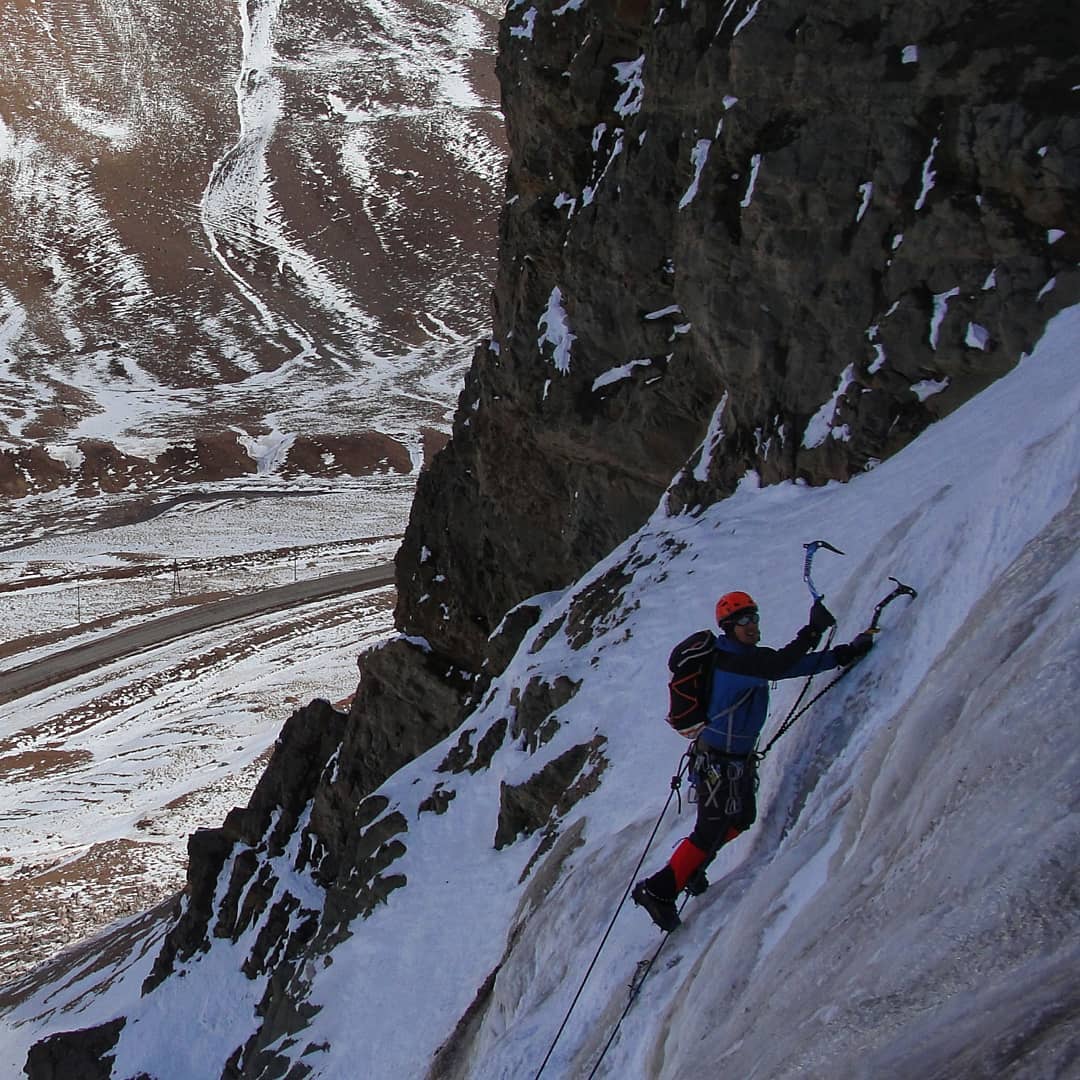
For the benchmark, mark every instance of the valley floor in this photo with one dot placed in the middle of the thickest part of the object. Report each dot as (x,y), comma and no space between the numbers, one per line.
(105,774)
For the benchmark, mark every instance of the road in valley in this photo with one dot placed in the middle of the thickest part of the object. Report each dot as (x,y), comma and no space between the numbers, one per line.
(75,661)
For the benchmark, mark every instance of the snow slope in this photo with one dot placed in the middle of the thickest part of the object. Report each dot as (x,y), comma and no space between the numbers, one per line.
(904,906)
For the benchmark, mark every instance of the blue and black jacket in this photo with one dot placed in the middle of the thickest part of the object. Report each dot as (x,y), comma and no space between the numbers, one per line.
(739,694)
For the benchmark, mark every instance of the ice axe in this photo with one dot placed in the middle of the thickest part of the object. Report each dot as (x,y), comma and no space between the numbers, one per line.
(811,551)
(900,590)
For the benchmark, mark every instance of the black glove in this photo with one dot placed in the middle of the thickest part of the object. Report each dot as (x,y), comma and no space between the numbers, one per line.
(821,618)
(854,650)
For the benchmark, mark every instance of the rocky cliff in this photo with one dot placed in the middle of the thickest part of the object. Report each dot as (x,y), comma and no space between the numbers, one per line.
(769,237)
(777,237)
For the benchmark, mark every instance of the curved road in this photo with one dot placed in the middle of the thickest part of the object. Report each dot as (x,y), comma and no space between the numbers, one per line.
(70,662)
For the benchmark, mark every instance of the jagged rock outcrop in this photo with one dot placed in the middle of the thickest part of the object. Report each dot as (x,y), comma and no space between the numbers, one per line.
(789,235)
(85,1054)
(525,808)
(93,466)
(251,836)
(316,785)
(311,809)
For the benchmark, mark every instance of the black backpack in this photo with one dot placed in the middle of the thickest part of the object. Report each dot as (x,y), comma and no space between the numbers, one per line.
(691,666)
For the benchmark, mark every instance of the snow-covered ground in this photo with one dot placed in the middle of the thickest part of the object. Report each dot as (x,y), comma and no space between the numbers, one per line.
(104,776)
(903,901)
(232,538)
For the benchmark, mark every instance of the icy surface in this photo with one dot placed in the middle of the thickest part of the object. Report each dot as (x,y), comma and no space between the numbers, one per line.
(941,309)
(822,425)
(755,168)
(699,155)
(554,327)
(929,175)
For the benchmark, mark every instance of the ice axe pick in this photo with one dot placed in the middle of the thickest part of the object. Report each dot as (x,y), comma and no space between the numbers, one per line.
(811,551)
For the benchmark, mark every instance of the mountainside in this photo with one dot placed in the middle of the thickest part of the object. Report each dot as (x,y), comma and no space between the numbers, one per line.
(746,246)
(237,240)
(769,236)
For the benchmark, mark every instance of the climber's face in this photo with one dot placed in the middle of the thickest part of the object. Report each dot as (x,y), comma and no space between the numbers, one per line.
(745,627)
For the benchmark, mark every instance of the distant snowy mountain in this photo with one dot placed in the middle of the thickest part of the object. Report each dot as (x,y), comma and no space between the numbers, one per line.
(268,219)
(903,906)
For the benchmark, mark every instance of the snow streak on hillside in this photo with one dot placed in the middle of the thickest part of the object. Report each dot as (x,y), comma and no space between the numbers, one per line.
(260,213)
(905,904)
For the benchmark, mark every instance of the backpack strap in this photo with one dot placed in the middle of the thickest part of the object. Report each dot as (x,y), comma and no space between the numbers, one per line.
(730,712)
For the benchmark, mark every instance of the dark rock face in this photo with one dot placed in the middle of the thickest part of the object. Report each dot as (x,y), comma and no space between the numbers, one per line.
(324,766)
(306,744)
(789,236)
(313,800)
(316,791)
(83,1054)
(525,808)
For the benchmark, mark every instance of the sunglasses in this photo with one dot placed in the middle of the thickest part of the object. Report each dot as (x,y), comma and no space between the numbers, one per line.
(747,618)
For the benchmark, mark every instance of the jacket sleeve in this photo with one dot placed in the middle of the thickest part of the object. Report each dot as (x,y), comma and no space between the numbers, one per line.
(793,660)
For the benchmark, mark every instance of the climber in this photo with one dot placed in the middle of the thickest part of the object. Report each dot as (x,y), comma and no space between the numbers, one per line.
(724,765)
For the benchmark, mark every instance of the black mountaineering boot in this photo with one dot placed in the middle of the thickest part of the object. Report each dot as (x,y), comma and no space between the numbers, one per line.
(698,883)
(662,912)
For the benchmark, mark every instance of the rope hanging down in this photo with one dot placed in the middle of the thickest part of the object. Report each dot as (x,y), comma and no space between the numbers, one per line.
(797,710)
(635,988)
(675,784)
(793,715)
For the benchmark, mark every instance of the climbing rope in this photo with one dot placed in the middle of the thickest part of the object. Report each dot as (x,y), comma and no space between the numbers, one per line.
(795,711)
(640,975)
(899,590)
(646,966)
(675,785)
(792,717)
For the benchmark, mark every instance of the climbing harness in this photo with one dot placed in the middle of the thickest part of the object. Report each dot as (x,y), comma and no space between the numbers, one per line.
(701,766)
(714,775)
(729,715)
(675,784)
(735,770)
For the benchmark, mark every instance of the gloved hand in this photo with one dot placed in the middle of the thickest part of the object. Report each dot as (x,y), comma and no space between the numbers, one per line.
(854,650)
(821,618)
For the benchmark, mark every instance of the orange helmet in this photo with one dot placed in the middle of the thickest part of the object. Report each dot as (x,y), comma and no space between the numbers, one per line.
(731,604)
